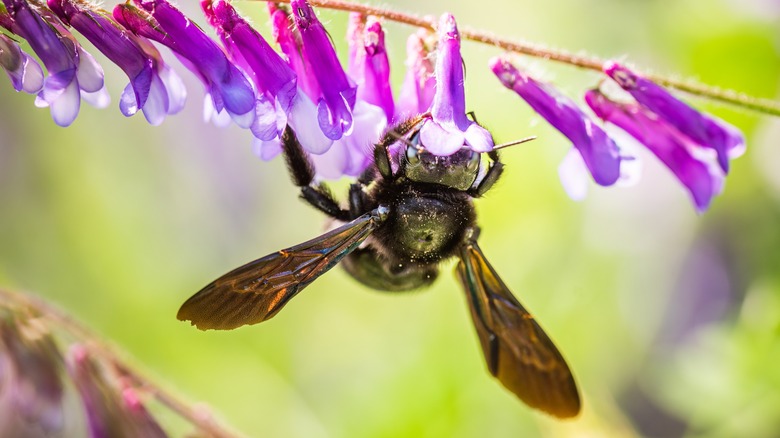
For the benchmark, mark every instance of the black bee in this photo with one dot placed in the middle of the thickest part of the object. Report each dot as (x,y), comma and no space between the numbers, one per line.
(407,213)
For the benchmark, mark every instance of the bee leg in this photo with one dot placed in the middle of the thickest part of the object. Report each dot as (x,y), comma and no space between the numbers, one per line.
(490,178)
(382,158)
(302,173)
(359,201)
(398,133)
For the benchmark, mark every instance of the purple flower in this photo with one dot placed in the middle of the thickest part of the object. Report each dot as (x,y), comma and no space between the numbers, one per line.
(694,165)
(368,63)
(154,87)
(289,39)
(706,130)
(25,72)
(335,104)
(279,100)
(72,72)
(449,129)
(227,87)
(351,153)
(419,87)
(369,68)
(304,111)
(270,75)
(112,410)
(600,154)
(140,23)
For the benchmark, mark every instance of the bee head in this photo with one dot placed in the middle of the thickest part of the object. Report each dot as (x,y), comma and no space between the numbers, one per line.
(458,170)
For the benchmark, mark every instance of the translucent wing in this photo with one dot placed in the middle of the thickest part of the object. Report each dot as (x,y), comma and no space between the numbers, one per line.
(258,290)
(517,350)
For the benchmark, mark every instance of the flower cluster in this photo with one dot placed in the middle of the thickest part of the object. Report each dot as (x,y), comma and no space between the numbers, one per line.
(695,146)
(338,112)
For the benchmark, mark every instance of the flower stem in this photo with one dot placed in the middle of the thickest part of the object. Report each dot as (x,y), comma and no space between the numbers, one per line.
(766,106)
(199,418)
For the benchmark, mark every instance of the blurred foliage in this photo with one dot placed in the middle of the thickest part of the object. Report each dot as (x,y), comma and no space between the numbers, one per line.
(670,321)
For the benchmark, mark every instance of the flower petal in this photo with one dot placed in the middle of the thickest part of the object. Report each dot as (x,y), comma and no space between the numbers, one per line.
(600,153)
(439,141)
(157,105)
(65,106)
(55,50)
(272,73)
(419,86)
(128,104)
(174,86)
(369,66)
(264,125)
(99,99)
(449,103)
(219,117)
(309,134)
(25,73)
(689,162)
(89,73)
(266,150)
(32,75)
(353,153)
(286,35)
(449,129)
(574,175)
(227,84)
(704,129)
(338,94)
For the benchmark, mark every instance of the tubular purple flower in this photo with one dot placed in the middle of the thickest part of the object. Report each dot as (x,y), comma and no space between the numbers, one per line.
(696,169)
(151,81)
(704,129)
(288,38)
(274,80)
(279,100)
(139,22)
(600,153)
(110,413)
(335,105)
(72,72)
(227,86)
(419,87)
(449,128)
(368,63)
(25,72)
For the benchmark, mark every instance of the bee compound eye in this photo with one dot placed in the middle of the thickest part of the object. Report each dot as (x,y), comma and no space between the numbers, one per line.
(473,163)
(412,155)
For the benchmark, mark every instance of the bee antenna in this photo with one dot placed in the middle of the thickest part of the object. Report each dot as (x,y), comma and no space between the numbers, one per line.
(514,143)
(402,139)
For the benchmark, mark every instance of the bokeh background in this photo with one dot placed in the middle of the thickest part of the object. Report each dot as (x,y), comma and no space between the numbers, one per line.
(669,319)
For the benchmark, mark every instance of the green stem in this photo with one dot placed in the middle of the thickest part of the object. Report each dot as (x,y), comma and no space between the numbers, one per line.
(766,106)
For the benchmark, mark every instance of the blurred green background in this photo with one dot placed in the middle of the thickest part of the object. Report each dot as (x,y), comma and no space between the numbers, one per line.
(670,320)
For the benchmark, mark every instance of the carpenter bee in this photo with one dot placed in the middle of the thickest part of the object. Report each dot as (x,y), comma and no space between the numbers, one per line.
(407,213)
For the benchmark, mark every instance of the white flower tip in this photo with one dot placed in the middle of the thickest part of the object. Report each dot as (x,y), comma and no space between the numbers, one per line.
(448,28)
(574,175)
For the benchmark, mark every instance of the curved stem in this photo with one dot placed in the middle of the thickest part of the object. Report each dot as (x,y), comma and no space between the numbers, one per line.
(197,417)
(766,106)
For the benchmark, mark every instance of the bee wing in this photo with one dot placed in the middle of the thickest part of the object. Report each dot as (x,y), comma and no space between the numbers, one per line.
(258,290)
(516,349)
